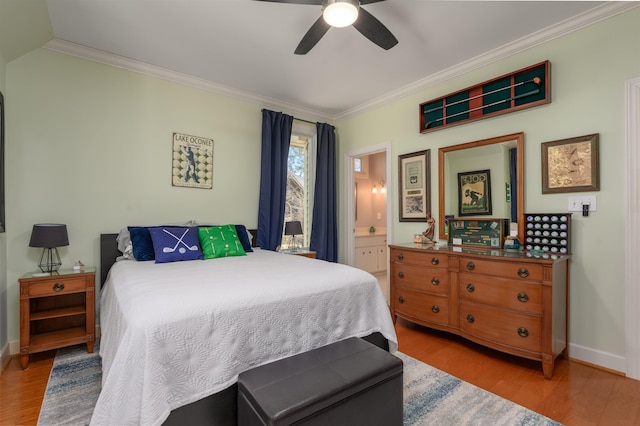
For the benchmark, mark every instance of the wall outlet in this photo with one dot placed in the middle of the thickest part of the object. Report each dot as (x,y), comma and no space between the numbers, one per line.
(576,203)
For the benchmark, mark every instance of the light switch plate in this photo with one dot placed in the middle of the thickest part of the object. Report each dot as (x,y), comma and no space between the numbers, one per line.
(576,202)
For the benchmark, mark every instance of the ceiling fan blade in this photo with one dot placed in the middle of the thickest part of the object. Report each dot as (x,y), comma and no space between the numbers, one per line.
(312,37)
(369,1)
(374,30)
(312,2)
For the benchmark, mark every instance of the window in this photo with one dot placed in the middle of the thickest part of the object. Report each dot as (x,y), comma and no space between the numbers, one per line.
(361,167)
(299,188)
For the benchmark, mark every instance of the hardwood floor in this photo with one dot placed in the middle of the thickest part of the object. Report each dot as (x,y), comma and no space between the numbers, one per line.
(21,391)
(576,395)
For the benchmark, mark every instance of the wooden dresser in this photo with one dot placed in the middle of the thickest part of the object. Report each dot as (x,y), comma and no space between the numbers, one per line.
(507,300)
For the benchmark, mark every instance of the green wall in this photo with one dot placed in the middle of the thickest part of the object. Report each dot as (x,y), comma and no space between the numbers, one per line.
(90,146)
(589,68)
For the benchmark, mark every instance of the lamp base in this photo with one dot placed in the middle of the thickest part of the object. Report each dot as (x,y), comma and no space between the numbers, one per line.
(50,260)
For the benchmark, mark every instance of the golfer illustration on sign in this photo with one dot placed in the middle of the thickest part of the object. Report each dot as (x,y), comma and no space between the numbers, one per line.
(475,196)
(191,165)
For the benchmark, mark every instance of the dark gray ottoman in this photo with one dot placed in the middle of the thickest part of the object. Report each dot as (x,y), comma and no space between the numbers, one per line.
(350,382)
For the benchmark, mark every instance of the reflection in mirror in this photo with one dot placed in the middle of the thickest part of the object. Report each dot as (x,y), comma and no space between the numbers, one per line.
(503,156)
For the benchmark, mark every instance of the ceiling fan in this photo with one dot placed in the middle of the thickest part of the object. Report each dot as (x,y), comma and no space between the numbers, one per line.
(342,13)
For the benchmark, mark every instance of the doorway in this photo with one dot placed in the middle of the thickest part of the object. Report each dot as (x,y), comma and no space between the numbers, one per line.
(369,191)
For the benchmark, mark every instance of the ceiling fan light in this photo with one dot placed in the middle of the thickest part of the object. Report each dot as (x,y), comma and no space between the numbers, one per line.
(340,13)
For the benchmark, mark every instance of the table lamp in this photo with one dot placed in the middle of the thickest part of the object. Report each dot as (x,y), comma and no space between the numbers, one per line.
(49,236)
(293,228)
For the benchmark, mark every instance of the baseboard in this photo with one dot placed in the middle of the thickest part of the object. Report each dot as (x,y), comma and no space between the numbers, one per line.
(14,347)
(5,355)
(608,361)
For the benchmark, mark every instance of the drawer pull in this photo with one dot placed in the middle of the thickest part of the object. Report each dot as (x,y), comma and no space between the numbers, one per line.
(435,281)
(400,256)
(470,288)
(58,287)
(435,261)
(401,299)
(470,318)
(400,274)
(523,297)
(471,266)
(523,332)
(523,272)
(435,309)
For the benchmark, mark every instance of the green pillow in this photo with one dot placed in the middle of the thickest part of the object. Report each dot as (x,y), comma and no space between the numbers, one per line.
(220,241)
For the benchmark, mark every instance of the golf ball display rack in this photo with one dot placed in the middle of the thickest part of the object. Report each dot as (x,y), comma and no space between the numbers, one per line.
(548,232)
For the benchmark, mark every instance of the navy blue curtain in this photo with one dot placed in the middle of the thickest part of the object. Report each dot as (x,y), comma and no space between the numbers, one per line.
(276,136)
(513,152)
(324,230)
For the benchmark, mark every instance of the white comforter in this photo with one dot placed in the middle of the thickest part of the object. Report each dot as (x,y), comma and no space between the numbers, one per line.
(175,333)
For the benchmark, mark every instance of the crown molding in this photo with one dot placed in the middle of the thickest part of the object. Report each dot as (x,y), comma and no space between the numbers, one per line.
(590,17)
(99,56)
(595,15)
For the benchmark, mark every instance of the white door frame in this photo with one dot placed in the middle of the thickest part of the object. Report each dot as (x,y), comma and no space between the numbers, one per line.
(632,219)
(349,186)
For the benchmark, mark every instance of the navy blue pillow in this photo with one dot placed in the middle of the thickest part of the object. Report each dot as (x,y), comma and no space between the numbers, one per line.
(141,242)
(243,236)
(174,244)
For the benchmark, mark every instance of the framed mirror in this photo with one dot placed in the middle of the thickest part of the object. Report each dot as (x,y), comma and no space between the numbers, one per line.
(503,157)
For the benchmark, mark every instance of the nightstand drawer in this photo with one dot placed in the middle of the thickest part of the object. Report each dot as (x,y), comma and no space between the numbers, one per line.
(53,287)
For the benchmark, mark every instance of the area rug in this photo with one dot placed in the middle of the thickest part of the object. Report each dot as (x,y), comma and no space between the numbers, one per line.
(431,396)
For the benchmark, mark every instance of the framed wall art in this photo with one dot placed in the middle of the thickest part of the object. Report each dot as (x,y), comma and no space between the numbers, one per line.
(192,161)
(414,186)
(474,193)
(571,165)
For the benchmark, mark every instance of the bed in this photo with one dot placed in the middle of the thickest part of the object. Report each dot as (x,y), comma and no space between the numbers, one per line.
(175,336)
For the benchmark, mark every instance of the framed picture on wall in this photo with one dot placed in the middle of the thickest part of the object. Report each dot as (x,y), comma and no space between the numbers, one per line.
(414,186)
(571,165)
(192,165)
(474,193)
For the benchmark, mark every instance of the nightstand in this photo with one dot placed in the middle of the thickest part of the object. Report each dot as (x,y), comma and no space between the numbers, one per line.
(301,252)
(57,310)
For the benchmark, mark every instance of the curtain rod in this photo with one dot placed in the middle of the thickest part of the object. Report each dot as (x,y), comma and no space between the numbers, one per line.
(305,121)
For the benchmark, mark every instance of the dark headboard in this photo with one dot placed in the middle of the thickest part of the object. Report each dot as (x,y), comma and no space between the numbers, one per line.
(109,251)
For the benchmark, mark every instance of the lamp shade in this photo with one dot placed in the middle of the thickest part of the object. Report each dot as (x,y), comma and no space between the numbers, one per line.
(293,228)
(49,235)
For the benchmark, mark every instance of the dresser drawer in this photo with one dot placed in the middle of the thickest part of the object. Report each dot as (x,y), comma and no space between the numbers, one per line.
(420,258)
(54,287)
(433,280)
(500,292)
(503,327)
(515,270)
(426,307)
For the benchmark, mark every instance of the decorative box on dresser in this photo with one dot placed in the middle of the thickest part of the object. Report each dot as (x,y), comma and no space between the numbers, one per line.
(507,300)
(56,311)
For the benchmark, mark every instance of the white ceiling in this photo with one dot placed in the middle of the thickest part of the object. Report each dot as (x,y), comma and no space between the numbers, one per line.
(247,46)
